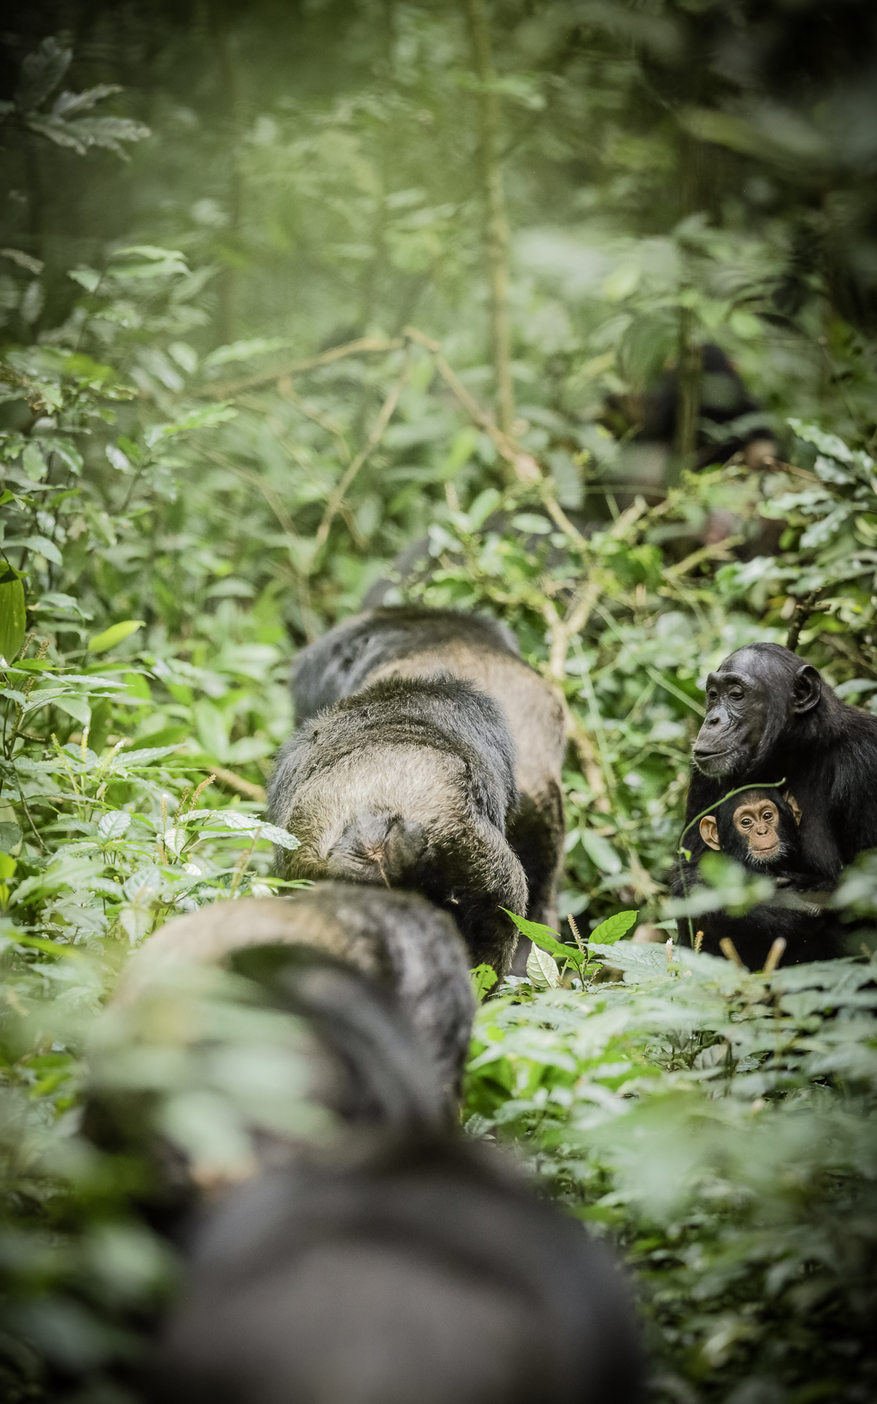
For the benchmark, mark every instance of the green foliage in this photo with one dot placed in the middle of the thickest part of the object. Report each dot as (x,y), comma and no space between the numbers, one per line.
(218,427)
(721,1125)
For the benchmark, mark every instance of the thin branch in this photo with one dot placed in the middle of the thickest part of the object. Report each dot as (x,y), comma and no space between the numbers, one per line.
(335,353)
(374,438)
(237,782)
(717,551)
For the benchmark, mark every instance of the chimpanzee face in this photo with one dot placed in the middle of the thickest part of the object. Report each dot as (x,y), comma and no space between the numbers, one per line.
(751,701)
(737,711)
(758,824)
(758,830)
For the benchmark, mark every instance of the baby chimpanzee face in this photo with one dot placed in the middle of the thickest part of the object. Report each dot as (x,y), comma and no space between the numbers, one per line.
(758,822)
(757,828)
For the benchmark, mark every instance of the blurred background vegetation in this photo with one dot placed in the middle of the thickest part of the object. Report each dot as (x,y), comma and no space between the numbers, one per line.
(220,223)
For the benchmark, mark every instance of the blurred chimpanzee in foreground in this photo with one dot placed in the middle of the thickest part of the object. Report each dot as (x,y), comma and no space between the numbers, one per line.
(418,643)
(408,949)
(396,1262)
(423,1272)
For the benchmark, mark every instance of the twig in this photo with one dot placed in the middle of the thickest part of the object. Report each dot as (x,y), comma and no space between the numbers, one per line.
(336,353)
(803,609)
(372,442)
(587,757)
(729,951)
(523,465)
(774,955)
(716,551)
(237,782)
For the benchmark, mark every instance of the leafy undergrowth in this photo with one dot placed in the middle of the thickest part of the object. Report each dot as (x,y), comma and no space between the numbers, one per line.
(163,531)
(720,1124)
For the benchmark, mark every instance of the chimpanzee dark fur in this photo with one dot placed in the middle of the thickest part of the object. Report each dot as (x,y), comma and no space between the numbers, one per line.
(771,718)
(404,946)
(408,784)
(798,911)
(415,642)
(428,1273)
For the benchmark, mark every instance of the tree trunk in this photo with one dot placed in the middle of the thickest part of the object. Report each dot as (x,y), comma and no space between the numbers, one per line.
(496,231)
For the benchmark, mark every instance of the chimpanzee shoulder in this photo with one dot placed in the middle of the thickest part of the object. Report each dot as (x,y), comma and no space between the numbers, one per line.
(340,662)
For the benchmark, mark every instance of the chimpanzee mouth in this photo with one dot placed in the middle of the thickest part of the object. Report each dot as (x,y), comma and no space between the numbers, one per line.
(767,855)
(712,762)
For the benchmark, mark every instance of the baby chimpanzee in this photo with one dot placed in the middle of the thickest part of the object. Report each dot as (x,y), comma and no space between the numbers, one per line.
(759,829)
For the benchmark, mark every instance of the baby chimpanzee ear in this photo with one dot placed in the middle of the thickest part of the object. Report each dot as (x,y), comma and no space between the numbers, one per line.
(709,831)
(793,806)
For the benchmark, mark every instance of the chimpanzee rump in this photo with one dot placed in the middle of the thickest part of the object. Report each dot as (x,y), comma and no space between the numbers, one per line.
(758,828)
(415,642)
(425,1273)
(771,718)
(409,783)
(406,947)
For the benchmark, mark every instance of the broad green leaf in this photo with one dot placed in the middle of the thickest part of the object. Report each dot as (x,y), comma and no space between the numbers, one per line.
(75,707)
(206,418)
(601,852)
(542,969)
(613,928)
(114,635)
(546,938)
(33,462)
(114,825)
(13,617)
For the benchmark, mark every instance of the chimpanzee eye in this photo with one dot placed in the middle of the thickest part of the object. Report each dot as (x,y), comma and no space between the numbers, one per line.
(736,693)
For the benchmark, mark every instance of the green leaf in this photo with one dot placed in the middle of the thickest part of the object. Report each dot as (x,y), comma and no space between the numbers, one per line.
(546,938)
(613,928)
(114,824)
(484,977)
(241,823)
(601,852)
(114,635)
(33,462)
(206,418)
(13,617)
(10,836)
(541,969)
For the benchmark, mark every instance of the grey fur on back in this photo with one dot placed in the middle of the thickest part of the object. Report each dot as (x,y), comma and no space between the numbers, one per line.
(399,940)
(342,661)
(408,783)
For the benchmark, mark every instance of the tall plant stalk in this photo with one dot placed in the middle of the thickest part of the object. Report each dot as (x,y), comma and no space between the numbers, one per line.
(496,224)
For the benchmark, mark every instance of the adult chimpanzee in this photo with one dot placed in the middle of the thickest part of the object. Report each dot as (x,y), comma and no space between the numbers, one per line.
(414,642)
(421,1271)
(409,784)
(408,949)
(759,828)
(771,718)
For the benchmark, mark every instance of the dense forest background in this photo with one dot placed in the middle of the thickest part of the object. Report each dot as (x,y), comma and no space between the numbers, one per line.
(286,287)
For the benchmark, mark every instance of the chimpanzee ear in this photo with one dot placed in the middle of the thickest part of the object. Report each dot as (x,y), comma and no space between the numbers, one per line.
(709,831)
(793,806)
(806,689)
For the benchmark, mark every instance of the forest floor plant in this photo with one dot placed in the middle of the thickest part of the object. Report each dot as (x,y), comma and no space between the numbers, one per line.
(718,1122)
